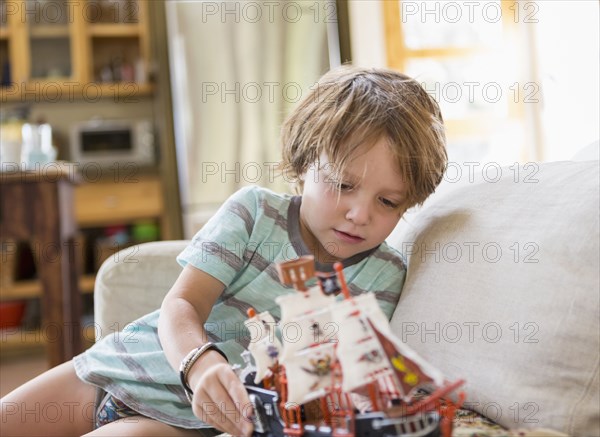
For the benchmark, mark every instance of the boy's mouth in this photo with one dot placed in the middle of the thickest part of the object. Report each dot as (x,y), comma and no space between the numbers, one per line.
(349,238)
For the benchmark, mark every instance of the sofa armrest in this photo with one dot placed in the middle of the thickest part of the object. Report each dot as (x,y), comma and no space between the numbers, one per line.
(133,282)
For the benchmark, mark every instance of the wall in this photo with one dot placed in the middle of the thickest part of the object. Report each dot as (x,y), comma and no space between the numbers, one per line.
(61,115)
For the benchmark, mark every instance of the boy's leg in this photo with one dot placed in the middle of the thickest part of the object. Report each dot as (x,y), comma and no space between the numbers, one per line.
(145,427)
(55,403)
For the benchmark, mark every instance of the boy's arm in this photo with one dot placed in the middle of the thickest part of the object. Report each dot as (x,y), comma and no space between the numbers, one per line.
(219,396)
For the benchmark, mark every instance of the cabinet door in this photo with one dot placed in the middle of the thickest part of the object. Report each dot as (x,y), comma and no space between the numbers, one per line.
(118,41)
(108,202)
(65,48)
(50,53)
(43,42)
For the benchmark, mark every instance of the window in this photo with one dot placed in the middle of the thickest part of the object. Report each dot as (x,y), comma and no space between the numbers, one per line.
(516,81)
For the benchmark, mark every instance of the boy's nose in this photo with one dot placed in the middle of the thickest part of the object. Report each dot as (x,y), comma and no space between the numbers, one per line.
(359,214)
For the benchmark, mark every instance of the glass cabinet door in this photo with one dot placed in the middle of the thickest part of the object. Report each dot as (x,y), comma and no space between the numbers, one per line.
(49,25)
(65,48)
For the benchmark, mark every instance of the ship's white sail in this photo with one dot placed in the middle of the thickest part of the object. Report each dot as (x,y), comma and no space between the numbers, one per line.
(410,369)
(311,327)
(367,305)
(360,351)
(307,330)
(294,304)
(305,321)
(309,374)
(264,346)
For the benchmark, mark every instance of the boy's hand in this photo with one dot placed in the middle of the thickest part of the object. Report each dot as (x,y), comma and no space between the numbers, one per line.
(220,398)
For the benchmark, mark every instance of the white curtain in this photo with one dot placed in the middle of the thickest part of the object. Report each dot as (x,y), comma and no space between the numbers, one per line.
(237,69)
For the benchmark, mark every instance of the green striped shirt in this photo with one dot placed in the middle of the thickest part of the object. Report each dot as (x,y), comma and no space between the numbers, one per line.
(240,246)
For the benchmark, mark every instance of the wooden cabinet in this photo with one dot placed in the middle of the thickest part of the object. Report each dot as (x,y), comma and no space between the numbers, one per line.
(37,207)
(64,50)
(98,204)
(74,53)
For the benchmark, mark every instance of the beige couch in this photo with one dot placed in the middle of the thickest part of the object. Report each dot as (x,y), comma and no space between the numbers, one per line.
(502,290)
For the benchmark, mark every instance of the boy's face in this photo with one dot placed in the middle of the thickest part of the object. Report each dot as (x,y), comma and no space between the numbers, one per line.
(345,214)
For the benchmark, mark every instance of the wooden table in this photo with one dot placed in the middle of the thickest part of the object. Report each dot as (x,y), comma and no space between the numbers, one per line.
(37,206)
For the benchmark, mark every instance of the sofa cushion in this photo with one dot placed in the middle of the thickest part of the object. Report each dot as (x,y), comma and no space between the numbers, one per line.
(502,290)
(133,282)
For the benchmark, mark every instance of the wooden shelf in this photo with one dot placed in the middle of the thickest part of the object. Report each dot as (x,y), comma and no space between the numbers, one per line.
(32,288)
(66,89)
(125,89)
(114,30)
(49,31)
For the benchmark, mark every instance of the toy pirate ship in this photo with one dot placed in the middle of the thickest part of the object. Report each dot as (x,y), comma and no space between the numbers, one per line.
(331,352)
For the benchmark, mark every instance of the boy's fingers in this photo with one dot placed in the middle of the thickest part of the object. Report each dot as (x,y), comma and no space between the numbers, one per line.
(238,392)
(218,415)
(237,403)
(224,410)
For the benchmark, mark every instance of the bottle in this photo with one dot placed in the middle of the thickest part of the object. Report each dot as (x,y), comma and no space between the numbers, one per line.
(37,146)
(10,144)
(141,75)
(127,72)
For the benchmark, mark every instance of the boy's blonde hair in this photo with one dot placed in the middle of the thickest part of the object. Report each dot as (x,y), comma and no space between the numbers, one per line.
(350,107)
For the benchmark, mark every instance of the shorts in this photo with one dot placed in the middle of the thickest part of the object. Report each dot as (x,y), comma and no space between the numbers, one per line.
(110,409)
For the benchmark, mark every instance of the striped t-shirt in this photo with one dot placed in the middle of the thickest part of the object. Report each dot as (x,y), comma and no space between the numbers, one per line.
(240,246)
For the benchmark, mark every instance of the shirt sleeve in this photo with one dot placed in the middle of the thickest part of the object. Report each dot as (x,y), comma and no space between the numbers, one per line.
(218,248)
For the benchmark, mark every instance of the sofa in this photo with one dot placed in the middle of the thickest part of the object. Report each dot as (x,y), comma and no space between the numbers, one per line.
(502,289)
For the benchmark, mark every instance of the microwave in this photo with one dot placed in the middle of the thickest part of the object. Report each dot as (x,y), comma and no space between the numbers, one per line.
(108,142)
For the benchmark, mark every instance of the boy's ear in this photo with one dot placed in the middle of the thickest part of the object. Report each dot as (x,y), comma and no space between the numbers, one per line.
(298,184)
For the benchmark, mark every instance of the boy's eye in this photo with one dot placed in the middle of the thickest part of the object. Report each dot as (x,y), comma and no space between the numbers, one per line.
(341,186)
(388,203)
